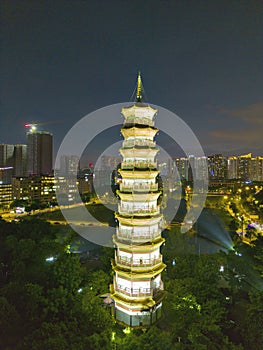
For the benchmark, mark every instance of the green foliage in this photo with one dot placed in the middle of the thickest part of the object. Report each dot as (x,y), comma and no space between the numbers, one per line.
(152,339)
(56,304)
(42,303)
(253,330)
(233,225)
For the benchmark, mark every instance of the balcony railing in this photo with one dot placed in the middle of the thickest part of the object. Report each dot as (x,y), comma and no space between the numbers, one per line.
(137,292)
(139,211)
(138,164)
(143,236)
(133,292)
(142,121)
(138,262)
(139,188)
(142,143)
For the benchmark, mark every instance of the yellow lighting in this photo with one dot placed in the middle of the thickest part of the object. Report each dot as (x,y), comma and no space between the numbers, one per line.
(33,128)
(127,330)
(139,88)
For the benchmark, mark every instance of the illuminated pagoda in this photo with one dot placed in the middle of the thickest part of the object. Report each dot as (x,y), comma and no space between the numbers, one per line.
(137,288)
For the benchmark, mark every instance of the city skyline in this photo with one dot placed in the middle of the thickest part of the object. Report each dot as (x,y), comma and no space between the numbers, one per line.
(63,60)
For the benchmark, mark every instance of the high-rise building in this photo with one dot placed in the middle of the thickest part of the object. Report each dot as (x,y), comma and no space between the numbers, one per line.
(109,163)
(6,155)
(69,165)
(256,169)
(6,175)
(137,288)
(244,167)
(232,163)
(39,152)
(182,165)
(14,156)
(103,173)
(5,196)
(217,167)
(85,181)
(35,188)
(19,160)
(200,168)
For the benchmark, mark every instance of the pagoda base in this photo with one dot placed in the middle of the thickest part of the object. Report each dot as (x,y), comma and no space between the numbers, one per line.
(137,318)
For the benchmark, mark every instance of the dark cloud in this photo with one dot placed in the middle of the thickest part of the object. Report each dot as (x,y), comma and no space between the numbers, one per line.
(252,114)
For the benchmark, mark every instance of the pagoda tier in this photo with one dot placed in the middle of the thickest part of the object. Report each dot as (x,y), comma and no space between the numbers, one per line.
(146,153)
(137,288)
(138,143)
(137,115)
(138,233)
(128,286)
(140,204)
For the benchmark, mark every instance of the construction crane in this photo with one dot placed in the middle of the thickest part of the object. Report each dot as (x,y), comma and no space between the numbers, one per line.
(32,126)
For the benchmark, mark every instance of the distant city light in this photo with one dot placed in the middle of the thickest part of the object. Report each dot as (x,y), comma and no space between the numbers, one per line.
(238,254)
(50,259)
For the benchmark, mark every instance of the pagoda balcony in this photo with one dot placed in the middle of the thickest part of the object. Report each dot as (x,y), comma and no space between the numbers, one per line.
(139,164)
(138,263)
(130,121)
(140,143)
(138,211)
(129,235)
(133,292)
(137,292)
(139,188)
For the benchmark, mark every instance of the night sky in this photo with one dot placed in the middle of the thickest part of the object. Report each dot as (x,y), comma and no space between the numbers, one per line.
(61,60)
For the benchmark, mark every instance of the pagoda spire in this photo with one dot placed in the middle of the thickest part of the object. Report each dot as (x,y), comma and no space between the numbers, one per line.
(139,88)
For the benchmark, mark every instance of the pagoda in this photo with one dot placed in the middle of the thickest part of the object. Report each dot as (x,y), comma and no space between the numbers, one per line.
(137,289)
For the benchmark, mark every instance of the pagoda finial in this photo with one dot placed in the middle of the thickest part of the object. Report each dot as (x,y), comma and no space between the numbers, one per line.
(139,88)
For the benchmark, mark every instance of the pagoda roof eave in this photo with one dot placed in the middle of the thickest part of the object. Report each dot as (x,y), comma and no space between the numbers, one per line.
(138,197)
(132,303)
(138,276)
(137,174)
(139,130)
(140,247)
(139,105)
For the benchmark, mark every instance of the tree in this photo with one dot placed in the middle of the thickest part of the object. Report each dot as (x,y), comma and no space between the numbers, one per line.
(251,233)
(152,339)
(9,325)
(19,203)
(252,331)
(233,225)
